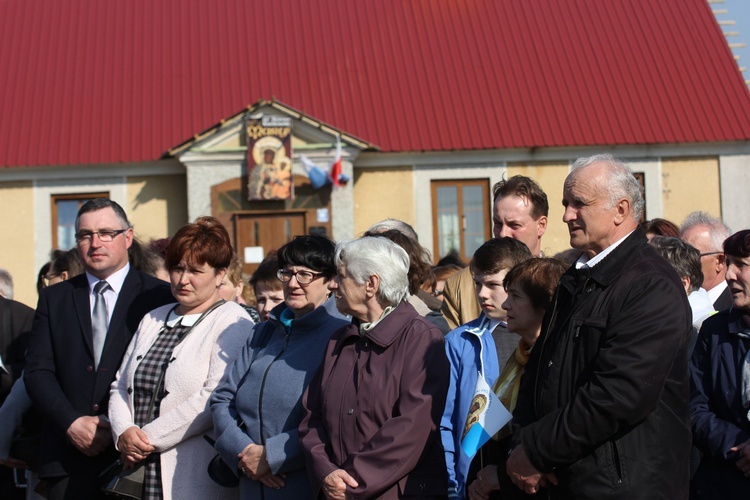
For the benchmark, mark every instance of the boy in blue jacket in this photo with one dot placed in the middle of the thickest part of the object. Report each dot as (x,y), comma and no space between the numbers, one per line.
(471,351)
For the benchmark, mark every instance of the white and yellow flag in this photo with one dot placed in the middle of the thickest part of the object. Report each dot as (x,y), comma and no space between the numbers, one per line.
(487,415)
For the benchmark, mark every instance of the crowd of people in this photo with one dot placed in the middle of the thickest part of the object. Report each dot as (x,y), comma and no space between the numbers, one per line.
(363,371)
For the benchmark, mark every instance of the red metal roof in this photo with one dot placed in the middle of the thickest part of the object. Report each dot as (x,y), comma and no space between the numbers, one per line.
(92,81)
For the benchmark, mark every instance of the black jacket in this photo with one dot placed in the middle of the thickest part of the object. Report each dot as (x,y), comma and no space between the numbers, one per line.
(60,376)
(724,301)
(719,419)
(15,325)
(603,403)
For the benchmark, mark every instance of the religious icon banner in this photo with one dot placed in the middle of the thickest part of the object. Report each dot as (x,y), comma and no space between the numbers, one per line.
(487,415)
(269,158)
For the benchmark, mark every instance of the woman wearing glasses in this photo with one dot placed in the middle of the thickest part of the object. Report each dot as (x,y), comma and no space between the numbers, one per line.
(257,407)
(63,266)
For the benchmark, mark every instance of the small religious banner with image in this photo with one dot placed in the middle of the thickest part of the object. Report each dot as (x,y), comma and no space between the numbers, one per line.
(269,158)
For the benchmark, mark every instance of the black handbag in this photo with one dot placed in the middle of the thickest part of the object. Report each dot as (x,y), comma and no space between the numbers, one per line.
(219,471)
(123,483)
(128,483)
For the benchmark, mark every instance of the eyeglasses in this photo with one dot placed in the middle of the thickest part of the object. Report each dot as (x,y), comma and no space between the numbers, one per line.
(48,277)
(706,254)
(303,277)
(105,235)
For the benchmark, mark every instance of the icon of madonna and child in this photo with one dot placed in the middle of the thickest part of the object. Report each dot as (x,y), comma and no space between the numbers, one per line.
(271,176)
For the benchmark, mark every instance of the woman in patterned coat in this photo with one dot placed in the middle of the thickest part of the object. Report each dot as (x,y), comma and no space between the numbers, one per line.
(176,359)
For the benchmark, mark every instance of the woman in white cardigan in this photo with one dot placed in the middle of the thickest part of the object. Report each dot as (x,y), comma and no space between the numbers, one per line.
(193,342)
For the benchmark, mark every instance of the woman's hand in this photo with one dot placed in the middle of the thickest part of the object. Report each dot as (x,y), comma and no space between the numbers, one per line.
(134,446)
(485,483)
(254,465)
(335,483)
(253,461)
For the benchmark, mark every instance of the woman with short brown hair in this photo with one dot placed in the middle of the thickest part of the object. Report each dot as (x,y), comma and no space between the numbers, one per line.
(159,401)
(530,286)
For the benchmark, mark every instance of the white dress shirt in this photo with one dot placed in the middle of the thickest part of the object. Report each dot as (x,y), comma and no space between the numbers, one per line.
(115,281)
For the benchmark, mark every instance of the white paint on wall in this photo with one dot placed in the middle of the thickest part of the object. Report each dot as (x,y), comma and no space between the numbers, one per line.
(734,178)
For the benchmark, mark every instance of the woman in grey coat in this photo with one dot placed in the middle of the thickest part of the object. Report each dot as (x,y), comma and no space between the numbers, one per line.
(257,406)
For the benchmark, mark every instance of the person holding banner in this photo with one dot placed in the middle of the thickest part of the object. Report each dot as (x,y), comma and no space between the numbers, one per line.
(530,286)
(373,409)
(471,405)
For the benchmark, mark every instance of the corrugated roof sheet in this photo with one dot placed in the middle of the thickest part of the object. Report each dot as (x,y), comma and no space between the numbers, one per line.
(89,81)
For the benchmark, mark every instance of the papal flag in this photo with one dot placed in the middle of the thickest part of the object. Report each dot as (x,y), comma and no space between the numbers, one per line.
(487,415)
(318,178)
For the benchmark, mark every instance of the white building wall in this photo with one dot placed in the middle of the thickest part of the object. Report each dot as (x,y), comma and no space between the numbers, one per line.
(734,173)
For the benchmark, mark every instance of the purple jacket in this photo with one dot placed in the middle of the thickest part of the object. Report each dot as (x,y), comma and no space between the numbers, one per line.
(374,408)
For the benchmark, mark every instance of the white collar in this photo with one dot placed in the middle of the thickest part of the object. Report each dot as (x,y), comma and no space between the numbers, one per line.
(115,280)
(185,320)
(700,304)
(585,261)
(714,293)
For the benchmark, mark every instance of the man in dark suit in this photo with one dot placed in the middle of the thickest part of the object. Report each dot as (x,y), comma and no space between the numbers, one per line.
(15,324)
(81,330)
(707,234)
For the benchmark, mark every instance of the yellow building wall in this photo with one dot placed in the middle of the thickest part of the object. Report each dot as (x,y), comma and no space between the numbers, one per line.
(17,243)
(551,177)
(157,205)
(690,184)
(382,193)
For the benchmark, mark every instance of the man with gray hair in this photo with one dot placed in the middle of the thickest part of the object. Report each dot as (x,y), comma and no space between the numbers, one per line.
(15,324)
(603,405)
(707,234)
(686,261)
(6,284)
(395,224)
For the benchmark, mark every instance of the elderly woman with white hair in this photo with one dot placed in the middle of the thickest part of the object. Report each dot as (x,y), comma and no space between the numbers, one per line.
(372,424)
